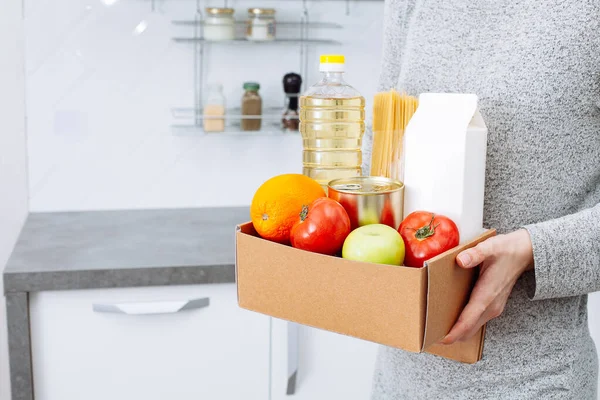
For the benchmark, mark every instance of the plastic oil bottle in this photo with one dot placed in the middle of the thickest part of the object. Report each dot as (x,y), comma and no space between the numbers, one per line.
(332,124)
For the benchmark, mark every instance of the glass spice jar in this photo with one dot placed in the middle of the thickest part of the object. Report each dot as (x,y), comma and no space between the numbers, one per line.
(251,107)
(219,24)
(261,24)
(214,109)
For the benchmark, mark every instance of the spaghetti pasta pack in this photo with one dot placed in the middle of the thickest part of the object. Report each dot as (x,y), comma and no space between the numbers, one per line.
(391,113)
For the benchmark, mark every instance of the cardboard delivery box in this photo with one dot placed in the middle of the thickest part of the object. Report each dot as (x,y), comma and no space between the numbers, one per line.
(407,308)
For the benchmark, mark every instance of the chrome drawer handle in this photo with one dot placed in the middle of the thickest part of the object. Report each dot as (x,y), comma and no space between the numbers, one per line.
(151,307)
(292,357)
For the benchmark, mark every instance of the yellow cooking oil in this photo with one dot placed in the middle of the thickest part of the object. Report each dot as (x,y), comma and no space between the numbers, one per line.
(332,125)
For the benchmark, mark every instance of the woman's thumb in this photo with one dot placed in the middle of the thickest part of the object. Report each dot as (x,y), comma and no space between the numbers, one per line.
(473,257)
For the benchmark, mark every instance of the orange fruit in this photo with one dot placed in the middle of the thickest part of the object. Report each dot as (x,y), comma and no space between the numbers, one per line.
(278,202)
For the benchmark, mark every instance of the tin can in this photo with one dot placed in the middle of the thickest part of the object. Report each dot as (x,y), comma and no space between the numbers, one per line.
(370,200)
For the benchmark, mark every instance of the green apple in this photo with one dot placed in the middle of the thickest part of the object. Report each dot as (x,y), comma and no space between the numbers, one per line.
(376,243)
(369,217)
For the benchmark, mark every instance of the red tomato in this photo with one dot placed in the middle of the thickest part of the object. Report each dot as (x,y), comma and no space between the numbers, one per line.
(426,235)
(322,227)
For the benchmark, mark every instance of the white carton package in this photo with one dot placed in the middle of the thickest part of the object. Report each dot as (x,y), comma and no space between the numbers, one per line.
(445,146)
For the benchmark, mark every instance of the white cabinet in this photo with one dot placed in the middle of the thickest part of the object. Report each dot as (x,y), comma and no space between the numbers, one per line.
(329,365)
(112,344)
(157,343)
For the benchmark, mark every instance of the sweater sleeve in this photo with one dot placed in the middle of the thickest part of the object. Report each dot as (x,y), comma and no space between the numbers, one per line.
(566,254)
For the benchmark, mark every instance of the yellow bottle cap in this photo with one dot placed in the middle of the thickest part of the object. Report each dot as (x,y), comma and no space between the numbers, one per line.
(332,59)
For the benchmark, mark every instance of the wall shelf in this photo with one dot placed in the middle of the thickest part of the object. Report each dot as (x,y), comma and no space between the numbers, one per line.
(271,117)
(270,114)
(270,122)
(276,41)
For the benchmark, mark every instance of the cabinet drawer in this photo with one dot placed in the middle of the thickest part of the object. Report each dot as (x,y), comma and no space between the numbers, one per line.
(151,343)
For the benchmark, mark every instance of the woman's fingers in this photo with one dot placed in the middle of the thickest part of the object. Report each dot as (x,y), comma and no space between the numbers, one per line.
(470,318)
(493,311)
(469,321)
(499,273)
(486,303)
(483,296)
(468,334)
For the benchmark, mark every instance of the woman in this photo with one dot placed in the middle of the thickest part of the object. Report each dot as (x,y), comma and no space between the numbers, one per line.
(535,66)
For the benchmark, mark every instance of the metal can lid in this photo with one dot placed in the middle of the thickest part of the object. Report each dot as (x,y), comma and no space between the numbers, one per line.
(366,185)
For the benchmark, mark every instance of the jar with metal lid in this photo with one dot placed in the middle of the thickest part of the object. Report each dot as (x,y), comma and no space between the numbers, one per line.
(261,24)
(219,24)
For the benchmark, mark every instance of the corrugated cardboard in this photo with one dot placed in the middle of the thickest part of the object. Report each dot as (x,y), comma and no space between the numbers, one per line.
(406,308)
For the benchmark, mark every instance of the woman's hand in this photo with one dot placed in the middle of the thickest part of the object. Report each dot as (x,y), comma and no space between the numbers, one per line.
(503,259)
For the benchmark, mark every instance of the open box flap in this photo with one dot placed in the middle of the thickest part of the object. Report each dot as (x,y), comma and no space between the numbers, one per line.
(248,229)
(469,351)
(449,287)
(237,229)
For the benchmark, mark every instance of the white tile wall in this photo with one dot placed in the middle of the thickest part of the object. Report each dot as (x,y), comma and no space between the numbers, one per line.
(99,100)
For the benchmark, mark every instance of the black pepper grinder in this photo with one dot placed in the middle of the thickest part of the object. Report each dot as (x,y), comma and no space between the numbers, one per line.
(292,83)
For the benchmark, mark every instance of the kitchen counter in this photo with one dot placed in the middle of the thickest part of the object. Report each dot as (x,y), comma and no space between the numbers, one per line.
(97,249)
(108,249)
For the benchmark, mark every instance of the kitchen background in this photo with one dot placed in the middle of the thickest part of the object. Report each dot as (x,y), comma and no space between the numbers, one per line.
(103,84)
(104,78)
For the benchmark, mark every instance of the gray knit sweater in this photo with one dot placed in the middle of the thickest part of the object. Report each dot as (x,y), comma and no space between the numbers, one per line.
(535,66)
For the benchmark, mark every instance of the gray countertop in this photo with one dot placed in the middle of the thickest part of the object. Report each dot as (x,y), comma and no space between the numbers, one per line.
(96,249)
